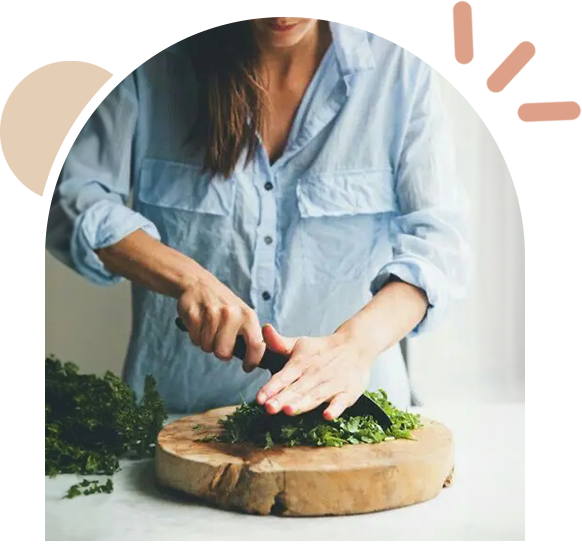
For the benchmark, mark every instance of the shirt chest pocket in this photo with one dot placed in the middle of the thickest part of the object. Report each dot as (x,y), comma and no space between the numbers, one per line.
(184,187)
(346,194)
(344,222)
(192,211)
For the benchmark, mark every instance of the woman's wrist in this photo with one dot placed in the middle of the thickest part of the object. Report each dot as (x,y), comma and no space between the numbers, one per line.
(385,320)
(357,333)
(185,274)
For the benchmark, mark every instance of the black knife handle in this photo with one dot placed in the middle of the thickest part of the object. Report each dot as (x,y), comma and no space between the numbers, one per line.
(272,361)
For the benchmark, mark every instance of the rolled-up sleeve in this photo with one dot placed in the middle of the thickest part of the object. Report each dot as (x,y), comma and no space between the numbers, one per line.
(89,208)
(430,230)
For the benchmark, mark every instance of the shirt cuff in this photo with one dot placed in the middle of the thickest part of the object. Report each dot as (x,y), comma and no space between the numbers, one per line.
(102,225)
(421,274)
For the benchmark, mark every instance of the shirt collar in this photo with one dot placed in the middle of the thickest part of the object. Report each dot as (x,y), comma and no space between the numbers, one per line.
(353,51)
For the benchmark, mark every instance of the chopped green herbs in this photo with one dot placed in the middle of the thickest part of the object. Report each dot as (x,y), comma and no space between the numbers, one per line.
(250,423)
(88,487)
(90,422)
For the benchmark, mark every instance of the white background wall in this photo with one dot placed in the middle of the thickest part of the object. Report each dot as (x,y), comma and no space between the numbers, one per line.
(478,352)
(476,355)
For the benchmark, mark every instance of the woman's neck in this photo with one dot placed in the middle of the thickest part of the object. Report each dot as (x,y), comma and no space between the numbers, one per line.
(281,65)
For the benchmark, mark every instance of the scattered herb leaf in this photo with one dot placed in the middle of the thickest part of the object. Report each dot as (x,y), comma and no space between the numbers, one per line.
(88,487)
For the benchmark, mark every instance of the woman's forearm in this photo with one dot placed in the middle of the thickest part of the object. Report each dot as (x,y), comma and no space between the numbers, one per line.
(147,262)
(393,312)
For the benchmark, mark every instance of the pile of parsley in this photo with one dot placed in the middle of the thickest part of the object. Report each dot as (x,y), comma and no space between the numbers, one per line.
(90,422)
(250,423)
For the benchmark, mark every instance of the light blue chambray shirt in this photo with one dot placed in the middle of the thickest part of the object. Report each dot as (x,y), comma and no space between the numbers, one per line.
(366,187)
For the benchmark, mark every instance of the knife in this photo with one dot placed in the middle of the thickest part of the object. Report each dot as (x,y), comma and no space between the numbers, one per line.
(274,362)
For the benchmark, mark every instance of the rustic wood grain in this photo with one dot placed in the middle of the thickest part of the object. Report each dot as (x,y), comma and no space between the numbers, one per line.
(303,481)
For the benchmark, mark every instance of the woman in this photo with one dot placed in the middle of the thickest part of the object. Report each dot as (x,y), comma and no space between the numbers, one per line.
(293,183)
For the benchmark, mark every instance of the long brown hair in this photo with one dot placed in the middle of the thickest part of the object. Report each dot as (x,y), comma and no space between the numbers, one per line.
(231,105)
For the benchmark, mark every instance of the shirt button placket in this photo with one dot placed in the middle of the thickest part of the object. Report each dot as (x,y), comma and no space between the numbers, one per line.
(266,252)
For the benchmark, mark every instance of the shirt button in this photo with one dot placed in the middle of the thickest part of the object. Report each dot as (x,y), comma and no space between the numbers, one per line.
(266,295)
(268,186)
(268,239)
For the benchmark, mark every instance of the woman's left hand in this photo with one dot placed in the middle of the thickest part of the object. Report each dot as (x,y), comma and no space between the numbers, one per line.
(334,369)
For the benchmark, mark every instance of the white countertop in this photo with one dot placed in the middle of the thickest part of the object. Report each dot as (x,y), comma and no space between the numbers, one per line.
(485,502)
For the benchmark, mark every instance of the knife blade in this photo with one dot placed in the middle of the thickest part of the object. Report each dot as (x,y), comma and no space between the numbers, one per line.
(274,362)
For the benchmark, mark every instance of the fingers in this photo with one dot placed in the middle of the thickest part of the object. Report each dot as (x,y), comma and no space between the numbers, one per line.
(306,393)
(337,406)
(302,402)
(214,325)
(278,343)
(215,316)
(288,375)
(192,319)
(293,393)
(194,325)
(210,324)
(231,321)
(251,331)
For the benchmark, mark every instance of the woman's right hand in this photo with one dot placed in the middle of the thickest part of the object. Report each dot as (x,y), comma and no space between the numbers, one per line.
(212,313)
(215,316)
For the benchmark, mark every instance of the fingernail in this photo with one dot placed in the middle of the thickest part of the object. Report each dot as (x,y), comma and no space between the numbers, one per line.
(273,405)
(261,397)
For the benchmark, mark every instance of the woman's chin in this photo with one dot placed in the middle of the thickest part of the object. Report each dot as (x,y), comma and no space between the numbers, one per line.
(281,42)
(284,36)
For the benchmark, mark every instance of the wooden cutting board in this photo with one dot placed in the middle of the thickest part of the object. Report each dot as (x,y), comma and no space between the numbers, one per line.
(303,481)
